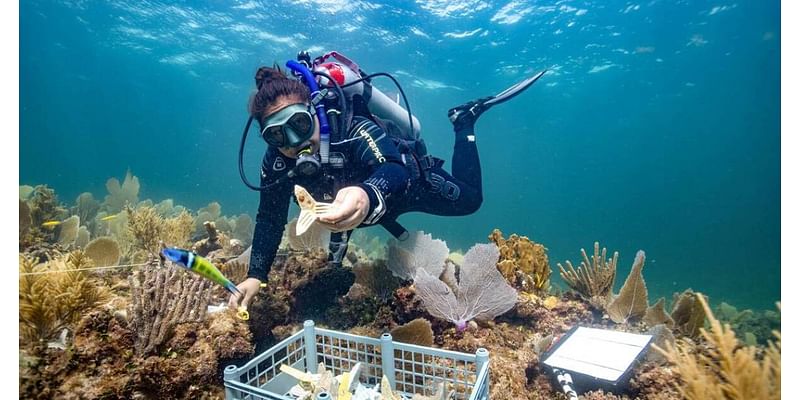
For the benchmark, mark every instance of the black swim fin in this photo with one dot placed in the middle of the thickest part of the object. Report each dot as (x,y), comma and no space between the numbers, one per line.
(466,114)
(513,91)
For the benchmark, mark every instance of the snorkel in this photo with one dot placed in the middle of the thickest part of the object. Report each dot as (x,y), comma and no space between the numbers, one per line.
(316,101)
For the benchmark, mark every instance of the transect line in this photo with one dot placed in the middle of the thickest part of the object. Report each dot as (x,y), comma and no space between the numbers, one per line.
(82,269)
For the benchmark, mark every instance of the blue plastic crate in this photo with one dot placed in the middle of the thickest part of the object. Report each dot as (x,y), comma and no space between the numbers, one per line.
(411,369)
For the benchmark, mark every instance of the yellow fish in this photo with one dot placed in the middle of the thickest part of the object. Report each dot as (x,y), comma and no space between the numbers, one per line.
(51,224)
(109,217)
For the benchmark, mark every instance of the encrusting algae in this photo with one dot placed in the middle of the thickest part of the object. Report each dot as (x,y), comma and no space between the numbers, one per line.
(140,328)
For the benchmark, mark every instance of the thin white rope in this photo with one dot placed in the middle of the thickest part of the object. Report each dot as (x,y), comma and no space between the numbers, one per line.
(82,269)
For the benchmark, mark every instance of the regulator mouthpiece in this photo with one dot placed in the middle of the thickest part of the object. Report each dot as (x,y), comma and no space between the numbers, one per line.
(307,164)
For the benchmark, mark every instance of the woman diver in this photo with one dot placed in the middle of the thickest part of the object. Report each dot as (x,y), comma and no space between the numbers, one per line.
(371,176)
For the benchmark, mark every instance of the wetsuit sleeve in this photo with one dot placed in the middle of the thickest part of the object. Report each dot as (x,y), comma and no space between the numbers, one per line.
(273,211)
(388,178)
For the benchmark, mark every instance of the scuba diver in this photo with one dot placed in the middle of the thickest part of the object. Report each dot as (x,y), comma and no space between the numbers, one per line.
(329,130)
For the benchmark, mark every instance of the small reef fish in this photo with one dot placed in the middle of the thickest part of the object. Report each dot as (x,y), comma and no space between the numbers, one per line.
(51,224)
(310,209)
(199,265)
(109,217)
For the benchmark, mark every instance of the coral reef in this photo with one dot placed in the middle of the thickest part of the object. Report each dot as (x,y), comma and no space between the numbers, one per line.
(482,293)
(123,195)
(146,227)
(243,229)
(687,313)
(655,315)
(371,246)
(101,364)
(750,326)
(147,333)
(86,207)
(25,219)
(211,243)
(235,270)
(44,205)
(146,230)
(420,251)
(523,263)
(68,230)
(594,279)
(375,279)
(725,370)
(37,206)
(53,295)
(104,251)
(631,302)
(417,332)
(82,240)
(161,298)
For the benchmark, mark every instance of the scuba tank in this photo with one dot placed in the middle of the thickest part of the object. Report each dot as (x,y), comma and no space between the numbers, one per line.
(354,82)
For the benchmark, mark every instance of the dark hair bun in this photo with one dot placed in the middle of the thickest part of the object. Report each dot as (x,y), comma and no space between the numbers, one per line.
(266,74)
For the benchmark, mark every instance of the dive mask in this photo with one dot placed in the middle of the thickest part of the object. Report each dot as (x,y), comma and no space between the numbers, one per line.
(289,127)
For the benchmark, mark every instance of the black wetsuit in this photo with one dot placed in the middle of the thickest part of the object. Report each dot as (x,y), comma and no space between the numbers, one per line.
(395,182)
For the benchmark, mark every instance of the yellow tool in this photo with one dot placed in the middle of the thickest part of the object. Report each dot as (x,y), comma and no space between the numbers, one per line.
(242,314)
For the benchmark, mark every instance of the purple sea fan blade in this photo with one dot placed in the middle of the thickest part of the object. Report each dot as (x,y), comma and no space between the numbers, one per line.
(436,296)
(482,291)
(419,251)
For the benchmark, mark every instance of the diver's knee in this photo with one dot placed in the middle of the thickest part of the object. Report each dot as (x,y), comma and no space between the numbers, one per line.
(470,204)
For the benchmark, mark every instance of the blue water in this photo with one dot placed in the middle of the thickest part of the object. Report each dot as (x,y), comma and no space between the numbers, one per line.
(657,127)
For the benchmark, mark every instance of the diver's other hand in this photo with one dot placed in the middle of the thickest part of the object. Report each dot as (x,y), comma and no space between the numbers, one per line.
(249,288)
(348,209)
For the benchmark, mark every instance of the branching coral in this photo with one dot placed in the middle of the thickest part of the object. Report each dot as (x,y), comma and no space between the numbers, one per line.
(235,270)
(161,298)
(54,295)
(148,228)
(44,205)
(594,279)
(523,263)
(178,229)
(211,212)
(728,370)
(212,242)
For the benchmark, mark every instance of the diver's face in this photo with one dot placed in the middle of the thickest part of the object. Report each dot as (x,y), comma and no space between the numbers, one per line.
(292,152)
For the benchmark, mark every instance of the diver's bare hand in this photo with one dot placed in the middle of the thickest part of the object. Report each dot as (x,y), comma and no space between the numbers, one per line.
(348,209)
(249,288)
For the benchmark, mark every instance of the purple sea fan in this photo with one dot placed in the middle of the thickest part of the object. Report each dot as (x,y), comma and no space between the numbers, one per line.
(482,293)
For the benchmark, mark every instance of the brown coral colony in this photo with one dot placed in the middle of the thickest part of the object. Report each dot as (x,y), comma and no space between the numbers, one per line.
(102,316)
